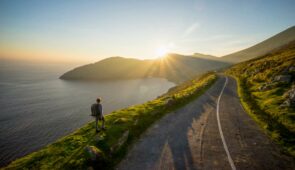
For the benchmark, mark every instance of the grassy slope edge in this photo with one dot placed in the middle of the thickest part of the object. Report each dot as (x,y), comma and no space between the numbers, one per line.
(68,152)
(264,106)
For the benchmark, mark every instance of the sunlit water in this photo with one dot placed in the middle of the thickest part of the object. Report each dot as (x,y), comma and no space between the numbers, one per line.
(36,107)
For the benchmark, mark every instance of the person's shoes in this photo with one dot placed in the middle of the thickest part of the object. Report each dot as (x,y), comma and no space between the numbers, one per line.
(97,130)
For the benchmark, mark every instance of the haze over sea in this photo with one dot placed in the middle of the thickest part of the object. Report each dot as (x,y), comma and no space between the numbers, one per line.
(36,107)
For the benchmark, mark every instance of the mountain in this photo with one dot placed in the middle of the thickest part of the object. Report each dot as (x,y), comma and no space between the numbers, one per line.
(262,48)
(205,56)
(174,67)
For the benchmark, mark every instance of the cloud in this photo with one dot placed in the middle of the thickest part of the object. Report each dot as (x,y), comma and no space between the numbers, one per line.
(190,29)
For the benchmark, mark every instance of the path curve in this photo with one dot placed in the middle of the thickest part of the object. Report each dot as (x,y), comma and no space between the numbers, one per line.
(190,138)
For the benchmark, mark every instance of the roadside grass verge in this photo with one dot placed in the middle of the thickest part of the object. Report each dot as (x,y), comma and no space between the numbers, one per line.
(270,125)
(262,96)
(124,127)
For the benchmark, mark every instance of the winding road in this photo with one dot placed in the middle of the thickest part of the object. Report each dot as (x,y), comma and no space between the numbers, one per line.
(212,132)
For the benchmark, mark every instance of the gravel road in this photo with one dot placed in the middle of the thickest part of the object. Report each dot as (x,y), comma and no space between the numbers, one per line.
(211,132)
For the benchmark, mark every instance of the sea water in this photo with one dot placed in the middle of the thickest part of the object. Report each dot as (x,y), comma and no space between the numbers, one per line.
(37,108)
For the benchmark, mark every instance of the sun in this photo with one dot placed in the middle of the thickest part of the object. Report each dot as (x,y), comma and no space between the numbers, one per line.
(162,51)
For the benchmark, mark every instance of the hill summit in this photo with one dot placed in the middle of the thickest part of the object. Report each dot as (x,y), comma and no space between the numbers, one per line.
(174,67)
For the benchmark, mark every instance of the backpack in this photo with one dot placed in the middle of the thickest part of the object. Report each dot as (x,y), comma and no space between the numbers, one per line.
(94,110)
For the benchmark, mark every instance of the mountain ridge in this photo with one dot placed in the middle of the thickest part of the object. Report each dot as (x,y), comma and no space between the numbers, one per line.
(276,41)
(174,67)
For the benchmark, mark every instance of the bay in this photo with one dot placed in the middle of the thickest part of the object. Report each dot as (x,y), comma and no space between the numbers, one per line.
(37,108)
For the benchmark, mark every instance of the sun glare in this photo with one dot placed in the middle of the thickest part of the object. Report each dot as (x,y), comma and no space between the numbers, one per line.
(161,51)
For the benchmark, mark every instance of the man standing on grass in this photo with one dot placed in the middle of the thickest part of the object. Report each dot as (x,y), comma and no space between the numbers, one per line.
(96,110)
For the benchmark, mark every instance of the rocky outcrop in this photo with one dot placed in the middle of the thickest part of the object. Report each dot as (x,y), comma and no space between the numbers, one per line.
(290,95)
(283,78)
(265,86)
(93,154)
(253,72)
(170,101)
(286,75)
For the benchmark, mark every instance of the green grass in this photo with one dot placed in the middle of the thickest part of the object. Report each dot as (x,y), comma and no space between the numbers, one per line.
(265,106)
(67,153)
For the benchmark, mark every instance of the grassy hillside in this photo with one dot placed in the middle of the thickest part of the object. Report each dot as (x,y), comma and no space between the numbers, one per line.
(123,128)
(265,87)
(262,48)
(174,67)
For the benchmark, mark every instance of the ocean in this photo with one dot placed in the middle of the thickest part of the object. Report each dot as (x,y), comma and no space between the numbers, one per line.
(37,108)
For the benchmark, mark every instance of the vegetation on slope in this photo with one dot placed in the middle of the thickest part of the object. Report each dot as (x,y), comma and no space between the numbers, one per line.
(123,128)
(264,87)
(174,67)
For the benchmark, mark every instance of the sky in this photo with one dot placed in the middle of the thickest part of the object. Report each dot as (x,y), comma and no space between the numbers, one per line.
(90,30)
